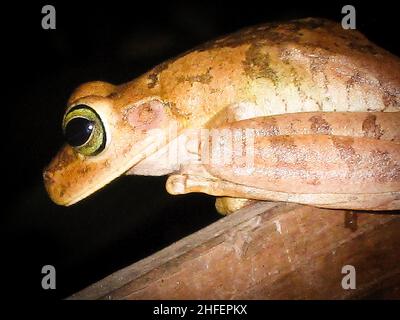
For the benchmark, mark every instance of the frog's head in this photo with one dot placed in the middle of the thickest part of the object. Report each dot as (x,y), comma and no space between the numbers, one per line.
(108,130)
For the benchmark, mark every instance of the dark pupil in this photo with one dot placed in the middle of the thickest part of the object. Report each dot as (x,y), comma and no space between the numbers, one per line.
(78,131)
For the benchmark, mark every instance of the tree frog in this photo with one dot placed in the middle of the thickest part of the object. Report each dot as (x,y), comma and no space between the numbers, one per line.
(321,104)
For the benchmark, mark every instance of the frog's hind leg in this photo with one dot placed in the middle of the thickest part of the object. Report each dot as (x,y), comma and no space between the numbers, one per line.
(228,205)
(181,184)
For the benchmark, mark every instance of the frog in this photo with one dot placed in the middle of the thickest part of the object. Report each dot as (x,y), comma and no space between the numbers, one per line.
(322,104)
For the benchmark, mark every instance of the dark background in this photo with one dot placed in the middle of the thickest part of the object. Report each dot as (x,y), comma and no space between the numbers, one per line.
(115,42)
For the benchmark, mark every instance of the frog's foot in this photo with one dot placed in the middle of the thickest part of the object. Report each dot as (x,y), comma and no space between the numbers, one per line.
(228,205)
(182,184)
(186,183)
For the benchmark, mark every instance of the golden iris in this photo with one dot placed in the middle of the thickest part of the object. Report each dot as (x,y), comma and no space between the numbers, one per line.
(84,130)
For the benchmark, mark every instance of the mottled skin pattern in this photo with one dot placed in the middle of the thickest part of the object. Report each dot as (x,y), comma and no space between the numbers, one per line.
(309,65)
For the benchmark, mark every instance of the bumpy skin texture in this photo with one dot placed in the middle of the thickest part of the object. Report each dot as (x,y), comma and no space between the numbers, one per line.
(273,69)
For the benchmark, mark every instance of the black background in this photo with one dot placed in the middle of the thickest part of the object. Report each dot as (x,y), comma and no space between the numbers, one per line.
(115,42)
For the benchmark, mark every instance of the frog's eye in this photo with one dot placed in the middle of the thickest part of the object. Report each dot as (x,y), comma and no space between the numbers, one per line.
(84,130)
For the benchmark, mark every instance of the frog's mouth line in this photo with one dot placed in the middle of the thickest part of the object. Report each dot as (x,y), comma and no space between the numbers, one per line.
(112,176)
(67,199)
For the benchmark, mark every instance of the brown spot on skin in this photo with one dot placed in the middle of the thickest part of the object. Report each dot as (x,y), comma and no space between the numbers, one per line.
(319,125)
(114,95)
(204,78)
(269,127)
(62,192)
(153,79)
(153,75)
(145,114)
(318,63)
(346,151)
(284,149)
(356,78)
(178,112)
(370,128)
(106,164)
(297,81)
(285,55)
(314,181)
(350,220)
(83,170)
(257,63)
(389,99)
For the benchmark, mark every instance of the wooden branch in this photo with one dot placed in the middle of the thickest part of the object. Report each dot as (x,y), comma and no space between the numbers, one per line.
(268,251)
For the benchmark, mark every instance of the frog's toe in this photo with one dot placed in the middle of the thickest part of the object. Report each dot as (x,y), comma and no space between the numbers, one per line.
(176,184)
(228,205)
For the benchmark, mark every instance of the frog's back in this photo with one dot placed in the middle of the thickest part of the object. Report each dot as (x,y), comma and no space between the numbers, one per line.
(301,65)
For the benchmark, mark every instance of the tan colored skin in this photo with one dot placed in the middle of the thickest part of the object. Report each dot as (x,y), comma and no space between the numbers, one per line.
(273,69)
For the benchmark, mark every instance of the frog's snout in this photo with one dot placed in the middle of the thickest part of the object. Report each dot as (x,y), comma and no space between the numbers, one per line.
(48,179)
(58,177)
